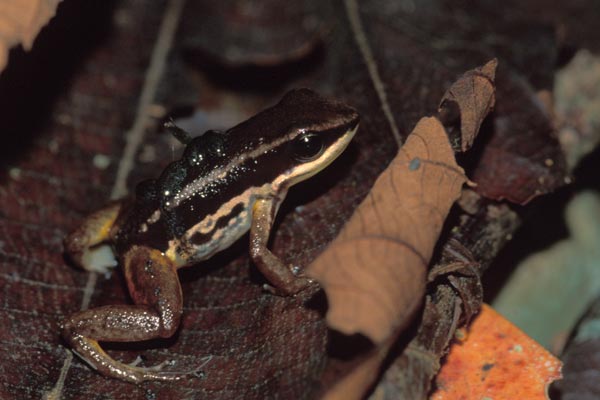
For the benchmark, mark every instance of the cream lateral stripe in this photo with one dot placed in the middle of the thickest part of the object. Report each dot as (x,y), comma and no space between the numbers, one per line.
(365,50)
(305,171)
(199,183)
(297,174)
(225,209)
(133,139)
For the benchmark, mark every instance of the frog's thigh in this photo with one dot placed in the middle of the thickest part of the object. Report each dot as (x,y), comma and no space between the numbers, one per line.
(95,229)
(154,286)
(152,280)
(276,272)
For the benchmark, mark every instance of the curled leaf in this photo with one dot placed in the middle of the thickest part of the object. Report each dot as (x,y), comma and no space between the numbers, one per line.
(496,360)
(475,94)
(374,272)
(387,244)
(20,22)
(386,247)
(352,385)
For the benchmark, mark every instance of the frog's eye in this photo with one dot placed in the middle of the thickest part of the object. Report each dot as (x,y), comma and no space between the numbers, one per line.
(307,146)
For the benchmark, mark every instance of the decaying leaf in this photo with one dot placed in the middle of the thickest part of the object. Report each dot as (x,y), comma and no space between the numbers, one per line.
(354,384)
(20,22)
(374,272)
(496,360)
(521,160)
(453,292)
(475,95)
(261,346)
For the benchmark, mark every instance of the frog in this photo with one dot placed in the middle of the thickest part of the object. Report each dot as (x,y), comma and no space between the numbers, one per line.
(226,184)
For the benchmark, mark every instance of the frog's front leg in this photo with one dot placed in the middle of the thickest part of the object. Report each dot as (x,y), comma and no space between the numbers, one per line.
(83,245)
(154,287)
(276,272)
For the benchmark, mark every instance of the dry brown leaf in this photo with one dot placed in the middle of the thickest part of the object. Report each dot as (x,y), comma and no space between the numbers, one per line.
(354,383)
(374,272)
(475,94)
(387,244)
(265,346)
(21,21)
(386,247)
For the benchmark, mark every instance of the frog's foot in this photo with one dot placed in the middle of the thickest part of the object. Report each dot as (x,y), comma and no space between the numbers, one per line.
(86,348)
(285,280)
(90,351)
(292,287)
(303,280)
(197,372)
(86,245)
(157,367)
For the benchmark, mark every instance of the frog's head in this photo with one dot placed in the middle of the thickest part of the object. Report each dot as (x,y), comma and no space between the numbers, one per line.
(321,130)
(298,137)
(273,150)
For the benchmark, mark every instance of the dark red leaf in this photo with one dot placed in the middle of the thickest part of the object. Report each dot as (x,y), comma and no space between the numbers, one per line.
(522,159)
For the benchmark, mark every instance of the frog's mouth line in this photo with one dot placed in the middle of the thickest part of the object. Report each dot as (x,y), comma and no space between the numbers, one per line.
(307,170)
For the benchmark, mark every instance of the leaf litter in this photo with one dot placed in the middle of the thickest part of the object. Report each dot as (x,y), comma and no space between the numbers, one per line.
(225,311)
(374,272)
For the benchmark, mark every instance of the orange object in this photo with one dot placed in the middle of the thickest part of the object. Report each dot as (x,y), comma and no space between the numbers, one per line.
(496,360)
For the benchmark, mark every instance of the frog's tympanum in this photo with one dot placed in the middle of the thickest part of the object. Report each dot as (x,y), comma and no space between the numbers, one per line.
(225,184)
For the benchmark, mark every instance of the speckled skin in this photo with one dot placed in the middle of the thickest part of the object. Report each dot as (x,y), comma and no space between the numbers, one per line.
(225,184)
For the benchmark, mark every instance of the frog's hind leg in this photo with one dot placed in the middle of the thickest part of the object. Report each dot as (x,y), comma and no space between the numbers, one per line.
(85,244)
(154,287)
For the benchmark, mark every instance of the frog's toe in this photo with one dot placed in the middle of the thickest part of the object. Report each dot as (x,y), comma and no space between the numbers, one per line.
(156,373)
(101,361)
(139,360)
(150,374)
(299,284)
(135,362)
(99,259)
(159,367)
(304,280)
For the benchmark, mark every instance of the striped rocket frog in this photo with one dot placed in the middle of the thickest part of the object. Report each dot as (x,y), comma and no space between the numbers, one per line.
(225,184)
